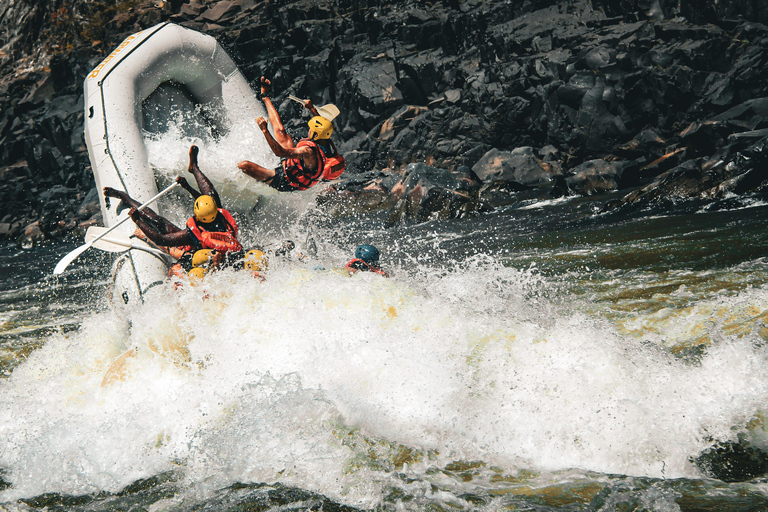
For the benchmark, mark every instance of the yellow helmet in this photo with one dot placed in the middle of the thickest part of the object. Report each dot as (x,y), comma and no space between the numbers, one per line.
(205,209)
(201,257)
(256,260)
(197,273)
(320,128)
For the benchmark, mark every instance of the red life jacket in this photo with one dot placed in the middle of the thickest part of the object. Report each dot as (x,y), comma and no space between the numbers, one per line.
(295,172)
(334,163)
(357,264)
(222,241)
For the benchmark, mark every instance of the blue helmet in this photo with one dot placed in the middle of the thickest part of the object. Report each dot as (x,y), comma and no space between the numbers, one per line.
(367,253)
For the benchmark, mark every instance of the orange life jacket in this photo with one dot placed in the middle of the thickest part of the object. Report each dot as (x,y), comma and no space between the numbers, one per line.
(295,172)
(223,241)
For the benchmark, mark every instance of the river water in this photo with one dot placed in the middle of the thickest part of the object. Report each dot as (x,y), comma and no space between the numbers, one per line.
(544,356)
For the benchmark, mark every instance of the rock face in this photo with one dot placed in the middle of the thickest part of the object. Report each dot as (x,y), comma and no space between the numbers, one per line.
(446,108)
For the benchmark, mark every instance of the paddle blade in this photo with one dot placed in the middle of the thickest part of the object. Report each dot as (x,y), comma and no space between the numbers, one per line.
(69,258)
(329,111)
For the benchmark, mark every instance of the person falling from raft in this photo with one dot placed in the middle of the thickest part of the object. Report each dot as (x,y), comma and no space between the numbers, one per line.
(366,260)
(303,165)
(211,226)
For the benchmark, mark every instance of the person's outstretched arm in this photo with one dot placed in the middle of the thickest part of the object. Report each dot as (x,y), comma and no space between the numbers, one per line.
(181,180)
(311,107)
(279,150)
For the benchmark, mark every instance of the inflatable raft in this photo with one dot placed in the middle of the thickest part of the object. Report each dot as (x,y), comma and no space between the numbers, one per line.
(114,93)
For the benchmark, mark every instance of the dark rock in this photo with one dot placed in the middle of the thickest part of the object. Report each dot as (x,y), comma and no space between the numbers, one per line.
(560,188)
(519,168)
(42,91)
(646,172)
(595,176)
(90,205)
(747,116)
(733,462)
(221,11)
(429,192)
(742,172)
(626,93)
(31,235)
(372,85)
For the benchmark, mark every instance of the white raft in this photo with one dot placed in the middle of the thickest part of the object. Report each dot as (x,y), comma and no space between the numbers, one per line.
(114,92)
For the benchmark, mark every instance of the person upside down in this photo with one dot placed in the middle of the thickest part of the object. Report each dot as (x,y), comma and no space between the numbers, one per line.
(211,226)
(303,165)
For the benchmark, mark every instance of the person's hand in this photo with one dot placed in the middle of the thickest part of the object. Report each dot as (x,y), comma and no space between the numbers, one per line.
(111,192)
(308,105)
(265,83)
(216,257)
(181,180)
(262,123)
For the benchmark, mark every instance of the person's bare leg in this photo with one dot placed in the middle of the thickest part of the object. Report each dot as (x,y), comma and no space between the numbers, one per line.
(256,171)
(281,135)
(203,183)
(132,203)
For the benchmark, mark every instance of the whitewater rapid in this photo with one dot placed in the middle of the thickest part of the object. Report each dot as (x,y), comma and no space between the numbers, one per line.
(237,380)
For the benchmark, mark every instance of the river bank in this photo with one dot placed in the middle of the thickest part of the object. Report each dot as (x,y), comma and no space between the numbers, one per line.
(447,109)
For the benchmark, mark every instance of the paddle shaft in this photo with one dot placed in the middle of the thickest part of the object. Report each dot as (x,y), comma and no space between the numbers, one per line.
(121,244)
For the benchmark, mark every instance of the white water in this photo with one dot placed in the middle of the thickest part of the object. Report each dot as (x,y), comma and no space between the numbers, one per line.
(479,362)
(277,371)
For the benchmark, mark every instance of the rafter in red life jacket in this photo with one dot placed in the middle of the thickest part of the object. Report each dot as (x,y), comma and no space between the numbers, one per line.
(357,264)
(223,241)
(297,175)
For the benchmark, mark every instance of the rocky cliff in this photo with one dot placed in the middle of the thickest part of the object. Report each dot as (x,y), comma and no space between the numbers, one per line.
(448,107)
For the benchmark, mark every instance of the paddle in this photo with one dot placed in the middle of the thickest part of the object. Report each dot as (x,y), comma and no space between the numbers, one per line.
(116,242)
(329,111)
(72,256)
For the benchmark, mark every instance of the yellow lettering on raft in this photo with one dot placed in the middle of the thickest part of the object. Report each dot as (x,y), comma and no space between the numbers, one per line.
(112,55)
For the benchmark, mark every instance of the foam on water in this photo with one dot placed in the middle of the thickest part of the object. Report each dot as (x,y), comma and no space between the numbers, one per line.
(239,380)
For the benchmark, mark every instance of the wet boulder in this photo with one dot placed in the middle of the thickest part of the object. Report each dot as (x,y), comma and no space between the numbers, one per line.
(220,11)
(744,172)
(519,169)
(427,192)
(733,461)
(419,192)
(596,176)
(355,193)
(749,115)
